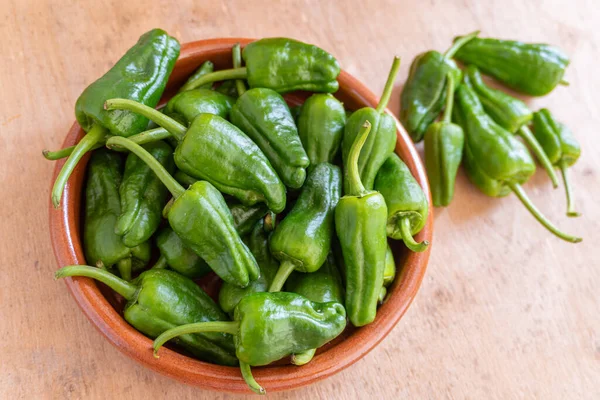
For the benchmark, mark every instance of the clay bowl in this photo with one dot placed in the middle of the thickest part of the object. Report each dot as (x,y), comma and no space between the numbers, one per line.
(102,307)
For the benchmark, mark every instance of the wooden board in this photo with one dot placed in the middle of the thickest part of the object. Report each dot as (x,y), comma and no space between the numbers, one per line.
(506,310)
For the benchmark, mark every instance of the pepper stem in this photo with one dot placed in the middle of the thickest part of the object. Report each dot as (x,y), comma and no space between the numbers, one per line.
(231,327)
(249,379)
(237,63)
(564,82)
(539,153)
(223,75)
(161,263)
(124,267)
(174,127)
(124,288)
(570,200)
(460,42)
(518,190)
(389,86)
(174,187)
(408,239)
(284,271)
(304,357)
(355,185)
(449,98)
(87,143)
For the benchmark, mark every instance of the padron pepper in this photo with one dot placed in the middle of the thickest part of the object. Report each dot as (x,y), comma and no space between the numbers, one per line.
(214,150)
(283,65)
(531,68)
(140,75)
(560,146)
(444,143)
(360,223)
(201,218)
(269,326)
(205,68)
(176,255)
(424,92)
(186,106)
(389,273)
(496,161)
(159,300)
(510,113)
(303,239)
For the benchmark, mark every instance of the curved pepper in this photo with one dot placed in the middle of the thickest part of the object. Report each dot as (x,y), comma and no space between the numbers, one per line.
(530,68)
(360,223)
(188,105)
(140,75)
(238,166)
(270,326)
(496,161)
(382,140)
(560,146)
(201,218)
(205,68)
(510,113)
(303,239)
(389,273)
(424,92)
(159,300)
(175,254)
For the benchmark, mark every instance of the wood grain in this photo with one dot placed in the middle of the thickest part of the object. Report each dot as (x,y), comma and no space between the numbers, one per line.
(505,311)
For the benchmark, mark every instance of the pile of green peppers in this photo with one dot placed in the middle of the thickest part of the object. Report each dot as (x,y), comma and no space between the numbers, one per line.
(291,208)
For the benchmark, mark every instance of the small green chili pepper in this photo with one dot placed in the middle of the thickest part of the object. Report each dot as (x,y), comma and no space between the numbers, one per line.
(188,105)
(175,254)
(560,146)
(205,68)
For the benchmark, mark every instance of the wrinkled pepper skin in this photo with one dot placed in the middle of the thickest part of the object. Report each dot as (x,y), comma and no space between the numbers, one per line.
(265,117)
(143,196)
(531,68)
(178,256)
(188,105)
(206,68)
(246,217)
(321,126)
(159,300)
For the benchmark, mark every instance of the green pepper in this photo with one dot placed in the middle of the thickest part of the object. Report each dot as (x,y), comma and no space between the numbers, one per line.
(217,151)
(227,88)
(205,68)
(389,273)
(188,105)
(424,92)
(270,326)
(303,239)
(360,223)
(380,143)
(444,143)
(159,300)
(175,254)
(321,286)
(510,113)
(560,146)
(283,65)
(496,161)
(201,218)
(530,68)
(140,75)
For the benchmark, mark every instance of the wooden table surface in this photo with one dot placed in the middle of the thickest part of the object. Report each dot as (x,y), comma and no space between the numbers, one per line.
(506,310)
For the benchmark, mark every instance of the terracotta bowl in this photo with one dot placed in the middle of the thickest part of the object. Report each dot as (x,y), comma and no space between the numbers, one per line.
(103,308)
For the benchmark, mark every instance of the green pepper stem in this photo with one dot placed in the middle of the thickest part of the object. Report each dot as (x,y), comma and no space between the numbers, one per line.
(535,147)
(570,200)
(87,143)
(124,288)
(206,68)
(270,221)
(304,357)
(518,190)
(231,327)
(284,271)
(355,185)
(174,127)
(408,239)
(174,187)
(389,86)
(460,42)
(237,63)
(66,152)
(449,98)
(564,82)
(223,75)
(124,267)
(161,263)
(249,379)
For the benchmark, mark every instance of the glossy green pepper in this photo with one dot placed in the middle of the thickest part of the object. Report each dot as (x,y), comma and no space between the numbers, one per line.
(510,113)
(102,246)
(444,142)
(205,68)
(188,105)
(424,92)
(380,143)
(496,161)
(140,75)
(217,151)
(530,68)
(159,300)
(283,65)
(560,146)
(270,326)
(389,273)
(175,254)
(201,218)
(303,239)
(360,223)
(321,126)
